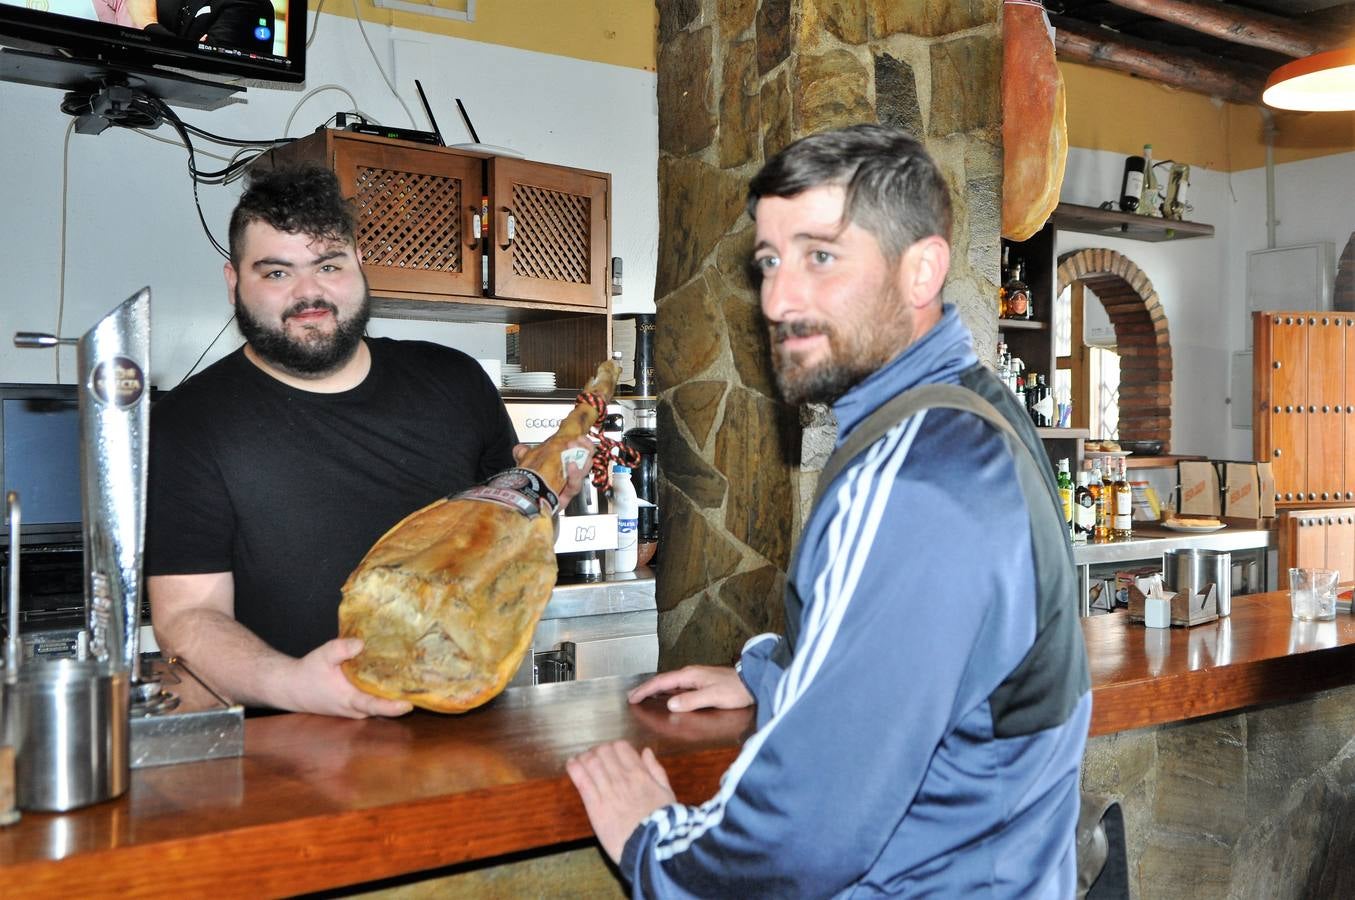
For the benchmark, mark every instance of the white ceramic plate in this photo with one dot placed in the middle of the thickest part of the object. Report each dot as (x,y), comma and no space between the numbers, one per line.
(1193,529)
(1108,453)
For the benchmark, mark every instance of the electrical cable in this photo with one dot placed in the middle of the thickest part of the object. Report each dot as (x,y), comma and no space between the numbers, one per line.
(235,142)
(315,24)
(384,77)
(312,92)
(173,118)
(155,137)
(61,271)
(207,350)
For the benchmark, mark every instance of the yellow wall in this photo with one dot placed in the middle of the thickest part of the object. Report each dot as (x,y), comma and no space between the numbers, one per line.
(1111,111)
(618,32)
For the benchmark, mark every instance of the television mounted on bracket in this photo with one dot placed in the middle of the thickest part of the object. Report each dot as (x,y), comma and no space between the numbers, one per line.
(188,53)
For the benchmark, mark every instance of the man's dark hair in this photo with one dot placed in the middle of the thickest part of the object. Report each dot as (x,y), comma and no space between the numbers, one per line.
(894,189)
(303,199)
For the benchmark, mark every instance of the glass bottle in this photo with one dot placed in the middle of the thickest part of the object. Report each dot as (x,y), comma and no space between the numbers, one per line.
(1017,294)
(1066,494)
(1002,288)
(1122,505)
(1101,491)
(1084,508)
(1148,198)
(1131,184)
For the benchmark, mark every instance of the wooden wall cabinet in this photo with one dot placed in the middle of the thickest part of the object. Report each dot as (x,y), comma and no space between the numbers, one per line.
(1320,539)
(1304,417)
(546,264)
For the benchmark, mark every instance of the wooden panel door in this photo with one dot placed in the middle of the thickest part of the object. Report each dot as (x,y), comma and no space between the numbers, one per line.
(1303,542)
(551,233)
(1340,542)
(1326,390)
(1288,378)
(414,207)
(1348,410)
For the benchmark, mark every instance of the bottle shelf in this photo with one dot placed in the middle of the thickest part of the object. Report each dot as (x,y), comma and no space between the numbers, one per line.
(1113,223)
(1022,325)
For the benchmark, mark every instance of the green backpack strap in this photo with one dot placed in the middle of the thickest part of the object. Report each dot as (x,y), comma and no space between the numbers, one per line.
(911,402)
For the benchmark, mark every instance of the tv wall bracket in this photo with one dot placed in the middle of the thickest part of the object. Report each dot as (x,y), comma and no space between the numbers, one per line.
(92,77)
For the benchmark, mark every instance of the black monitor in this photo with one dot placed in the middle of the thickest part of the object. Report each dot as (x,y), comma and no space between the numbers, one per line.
(260,41)
(40,458)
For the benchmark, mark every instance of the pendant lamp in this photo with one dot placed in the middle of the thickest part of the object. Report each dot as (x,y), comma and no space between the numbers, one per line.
(1323,82)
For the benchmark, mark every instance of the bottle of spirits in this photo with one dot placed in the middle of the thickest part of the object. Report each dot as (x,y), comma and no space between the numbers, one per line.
(1148,200)
(1066,495)
(1017,294)
(1044,404)
(1131,184)
(1101,491)
(1084,508)
(1002,288)
(1121,525)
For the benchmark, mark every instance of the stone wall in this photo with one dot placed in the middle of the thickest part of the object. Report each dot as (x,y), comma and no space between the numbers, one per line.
(738,80)
(1256,804)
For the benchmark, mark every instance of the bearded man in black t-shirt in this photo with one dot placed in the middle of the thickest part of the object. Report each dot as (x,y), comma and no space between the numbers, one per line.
(275,469)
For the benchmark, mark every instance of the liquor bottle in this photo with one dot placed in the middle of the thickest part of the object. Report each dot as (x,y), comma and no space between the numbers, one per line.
(1131,184)
(1002,288)
(1101,491)
(1148,201)
(1066,495)
(1044,404)
(1017,294)
(1122,505)
(1084,509)
(1020,389)
(1032,396)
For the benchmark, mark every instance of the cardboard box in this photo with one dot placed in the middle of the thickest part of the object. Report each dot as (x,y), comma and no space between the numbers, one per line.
(1248,492)
(1199,488)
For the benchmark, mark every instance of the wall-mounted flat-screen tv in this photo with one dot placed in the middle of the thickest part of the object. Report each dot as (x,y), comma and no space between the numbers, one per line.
(257,41)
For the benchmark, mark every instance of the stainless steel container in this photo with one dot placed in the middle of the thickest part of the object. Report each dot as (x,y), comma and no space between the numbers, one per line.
(1193,570)
(67,720)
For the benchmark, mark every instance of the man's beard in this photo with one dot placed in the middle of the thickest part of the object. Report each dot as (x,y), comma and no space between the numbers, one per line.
(850,359)
(314,354)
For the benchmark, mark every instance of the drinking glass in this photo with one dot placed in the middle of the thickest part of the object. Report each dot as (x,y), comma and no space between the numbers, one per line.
(1312,594)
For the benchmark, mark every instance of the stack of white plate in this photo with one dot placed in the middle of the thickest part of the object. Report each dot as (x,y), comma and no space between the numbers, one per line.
(534,382)
(508,370)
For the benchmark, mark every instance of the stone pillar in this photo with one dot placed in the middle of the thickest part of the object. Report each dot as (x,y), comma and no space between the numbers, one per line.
(737,81)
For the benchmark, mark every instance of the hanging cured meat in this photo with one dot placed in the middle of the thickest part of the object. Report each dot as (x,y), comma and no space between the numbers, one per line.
(1034,126)
(447,600)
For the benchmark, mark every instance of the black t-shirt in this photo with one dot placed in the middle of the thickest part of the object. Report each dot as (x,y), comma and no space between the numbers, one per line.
(288,489)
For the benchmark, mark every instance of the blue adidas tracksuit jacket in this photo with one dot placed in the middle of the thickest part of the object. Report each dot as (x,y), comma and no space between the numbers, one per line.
(921,727)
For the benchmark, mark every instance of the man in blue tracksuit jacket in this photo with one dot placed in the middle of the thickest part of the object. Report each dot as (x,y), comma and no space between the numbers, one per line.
(921,725)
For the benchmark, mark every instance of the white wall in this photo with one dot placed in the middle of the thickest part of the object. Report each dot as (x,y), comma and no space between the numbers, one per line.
(1191,280)
(131,219)
(1202,282)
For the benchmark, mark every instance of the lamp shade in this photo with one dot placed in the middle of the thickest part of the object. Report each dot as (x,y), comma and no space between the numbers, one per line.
(1323,82)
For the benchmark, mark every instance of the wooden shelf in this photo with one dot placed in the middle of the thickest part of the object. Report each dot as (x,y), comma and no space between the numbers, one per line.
(1163,461)
(1113,223)
(477,309)
(1022,325)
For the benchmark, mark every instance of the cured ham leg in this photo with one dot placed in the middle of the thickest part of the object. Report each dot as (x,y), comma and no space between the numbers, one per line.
(447,600)
(1034,124)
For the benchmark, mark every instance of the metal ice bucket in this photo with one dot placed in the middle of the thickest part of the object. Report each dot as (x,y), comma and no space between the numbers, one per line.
(68,725)
(1192,569)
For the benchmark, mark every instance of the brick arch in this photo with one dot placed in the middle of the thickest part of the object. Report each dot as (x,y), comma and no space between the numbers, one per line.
(1141,338)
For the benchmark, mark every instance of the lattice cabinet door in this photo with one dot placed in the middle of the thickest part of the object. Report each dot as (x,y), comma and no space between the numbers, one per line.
(551,233)
(414,210)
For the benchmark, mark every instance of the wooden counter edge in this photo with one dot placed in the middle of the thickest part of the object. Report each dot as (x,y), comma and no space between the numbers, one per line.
(347,848)
(1220,689)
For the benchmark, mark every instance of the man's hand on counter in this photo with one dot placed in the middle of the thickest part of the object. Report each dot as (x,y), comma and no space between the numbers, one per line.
(701,687)
(619,789)
(321,687)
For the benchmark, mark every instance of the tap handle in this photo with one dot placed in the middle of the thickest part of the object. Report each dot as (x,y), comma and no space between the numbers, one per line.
(41,339)
(12,643)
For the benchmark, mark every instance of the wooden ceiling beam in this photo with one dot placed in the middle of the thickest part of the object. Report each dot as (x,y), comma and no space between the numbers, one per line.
(1077,41)
(1240,26)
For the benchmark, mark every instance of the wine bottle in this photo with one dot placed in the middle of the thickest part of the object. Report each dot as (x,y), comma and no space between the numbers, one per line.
(1122,505)
(1131,184)
(1148,199)
(1084,509)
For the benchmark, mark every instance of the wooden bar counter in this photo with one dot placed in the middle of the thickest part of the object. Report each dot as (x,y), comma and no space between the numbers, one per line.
(318,803)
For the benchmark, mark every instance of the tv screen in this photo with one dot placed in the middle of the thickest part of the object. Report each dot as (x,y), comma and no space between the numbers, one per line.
(260,40)
(40,458)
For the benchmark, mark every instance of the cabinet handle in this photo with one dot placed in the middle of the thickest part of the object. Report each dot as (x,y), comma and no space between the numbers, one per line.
(473,228)
(1276,364)
(506,229)
(1312,495)
(1289,320)
(1277,452)
(1312,320)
